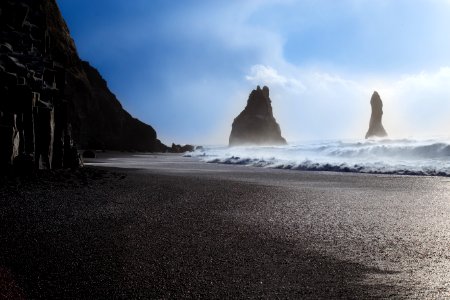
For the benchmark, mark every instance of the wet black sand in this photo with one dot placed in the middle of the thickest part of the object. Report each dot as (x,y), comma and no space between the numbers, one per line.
(181,228)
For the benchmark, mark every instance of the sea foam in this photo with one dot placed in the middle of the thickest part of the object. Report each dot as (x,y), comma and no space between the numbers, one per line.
(385,156)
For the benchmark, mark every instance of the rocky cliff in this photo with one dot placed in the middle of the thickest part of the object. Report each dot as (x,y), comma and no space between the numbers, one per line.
(376,128)
(50,98)
(256,125)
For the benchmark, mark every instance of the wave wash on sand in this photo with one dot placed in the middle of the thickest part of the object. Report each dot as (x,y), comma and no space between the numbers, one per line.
(386,156)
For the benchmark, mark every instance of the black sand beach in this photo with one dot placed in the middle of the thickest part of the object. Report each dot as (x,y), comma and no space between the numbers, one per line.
(172,227)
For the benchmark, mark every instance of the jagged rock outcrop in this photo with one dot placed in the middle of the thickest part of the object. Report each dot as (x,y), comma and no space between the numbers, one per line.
(376,128)
(51,99)
(256,125)
(181,149)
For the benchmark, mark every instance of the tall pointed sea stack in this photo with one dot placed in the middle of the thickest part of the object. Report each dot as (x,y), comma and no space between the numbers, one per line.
(256,125)
(376,128)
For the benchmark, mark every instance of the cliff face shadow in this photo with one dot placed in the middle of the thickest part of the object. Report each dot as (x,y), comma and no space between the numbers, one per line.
(173,243)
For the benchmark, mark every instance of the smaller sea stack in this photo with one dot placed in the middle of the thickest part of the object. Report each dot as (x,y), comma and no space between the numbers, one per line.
(256,125)
(376,128)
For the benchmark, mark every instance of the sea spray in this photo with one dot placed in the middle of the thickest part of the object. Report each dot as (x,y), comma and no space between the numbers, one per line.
(385,156)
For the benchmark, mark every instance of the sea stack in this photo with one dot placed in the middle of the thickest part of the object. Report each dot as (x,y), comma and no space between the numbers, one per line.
(255,125)
(376,128)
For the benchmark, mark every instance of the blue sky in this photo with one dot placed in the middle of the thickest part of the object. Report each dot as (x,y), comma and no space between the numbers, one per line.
(187,67)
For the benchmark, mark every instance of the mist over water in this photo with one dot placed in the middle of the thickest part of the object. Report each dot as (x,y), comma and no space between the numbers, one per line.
(384,156)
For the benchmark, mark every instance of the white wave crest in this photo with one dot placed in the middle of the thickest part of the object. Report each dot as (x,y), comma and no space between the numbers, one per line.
(410,157)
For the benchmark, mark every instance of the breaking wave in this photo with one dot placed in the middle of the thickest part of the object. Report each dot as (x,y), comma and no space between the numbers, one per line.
(405,157)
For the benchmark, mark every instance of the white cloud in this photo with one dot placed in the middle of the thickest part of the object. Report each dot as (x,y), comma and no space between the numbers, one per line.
(421,103)
(318,104)
(266,75)
(320,95)
(311,104)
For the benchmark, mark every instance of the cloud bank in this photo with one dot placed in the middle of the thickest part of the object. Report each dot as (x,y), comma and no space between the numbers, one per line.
(187,67)
(318,104)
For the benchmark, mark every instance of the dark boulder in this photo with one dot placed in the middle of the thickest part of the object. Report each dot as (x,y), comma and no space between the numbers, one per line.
(256,124)
(181,149)
(376,128)
(88,154)
(24,164)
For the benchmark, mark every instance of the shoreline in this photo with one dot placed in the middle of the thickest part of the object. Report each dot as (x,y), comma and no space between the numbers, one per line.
(157,162)
(182,228)
(103,159)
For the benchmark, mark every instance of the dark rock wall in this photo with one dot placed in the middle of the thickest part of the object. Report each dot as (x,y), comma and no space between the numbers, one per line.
(34,128)
(376,128)
(49,98)
(99,121)
(256,125)
(97,117)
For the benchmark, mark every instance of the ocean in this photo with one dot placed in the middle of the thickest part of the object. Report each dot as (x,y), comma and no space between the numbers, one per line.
(381,156)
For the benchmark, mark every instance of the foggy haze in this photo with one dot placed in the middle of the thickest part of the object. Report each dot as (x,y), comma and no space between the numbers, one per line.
(187,68)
